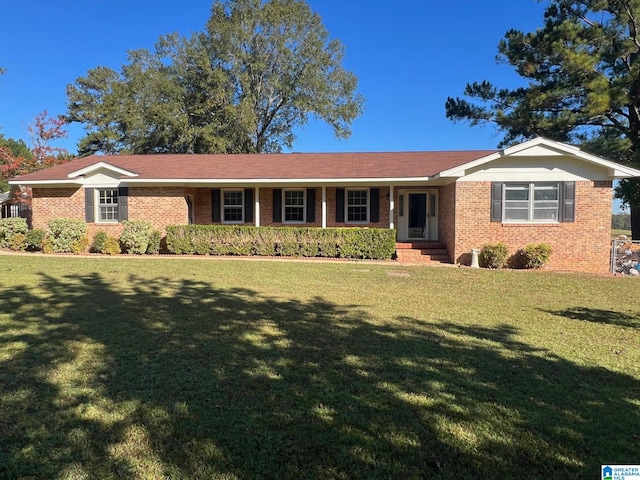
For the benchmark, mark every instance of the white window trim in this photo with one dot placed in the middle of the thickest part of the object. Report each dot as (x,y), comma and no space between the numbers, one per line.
(531,201)
(346,206)
(304,206)
(97,205)
(224,207)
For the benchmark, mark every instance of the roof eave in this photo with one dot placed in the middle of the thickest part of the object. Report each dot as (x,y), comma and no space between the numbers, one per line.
(53,183)
(279,181)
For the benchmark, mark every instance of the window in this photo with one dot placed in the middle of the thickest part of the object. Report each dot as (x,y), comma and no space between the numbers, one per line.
(531,202)
(107,205)
(294,206)
(357,206)
(233,206)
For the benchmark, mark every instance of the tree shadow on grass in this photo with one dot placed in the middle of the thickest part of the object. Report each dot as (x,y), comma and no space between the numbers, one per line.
(162,378)
(596,315)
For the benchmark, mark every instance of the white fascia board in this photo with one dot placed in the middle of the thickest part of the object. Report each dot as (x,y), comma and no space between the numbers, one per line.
(52,183)
(280,181)
(101,165)
(461,170)
(615,170)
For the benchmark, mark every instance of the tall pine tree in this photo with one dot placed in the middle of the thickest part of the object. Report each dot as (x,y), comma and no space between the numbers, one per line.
(582,85)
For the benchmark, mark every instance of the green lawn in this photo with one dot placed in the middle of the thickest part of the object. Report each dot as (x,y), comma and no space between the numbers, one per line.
(115,368)
(615,233)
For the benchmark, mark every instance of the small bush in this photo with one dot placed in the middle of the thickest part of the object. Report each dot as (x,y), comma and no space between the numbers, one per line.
(63,233)
(46,245)
(80,246)
(98,241)
(155,239)
(18,242)
(9,227)
(111,246)
(536,255)
(34,239)
(135,236)
(493,255)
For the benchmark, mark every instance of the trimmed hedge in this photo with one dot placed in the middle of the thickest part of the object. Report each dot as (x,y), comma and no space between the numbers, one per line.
(369,243)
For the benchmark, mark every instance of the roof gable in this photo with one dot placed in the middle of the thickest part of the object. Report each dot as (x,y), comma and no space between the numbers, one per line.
(107,167)
(541,148)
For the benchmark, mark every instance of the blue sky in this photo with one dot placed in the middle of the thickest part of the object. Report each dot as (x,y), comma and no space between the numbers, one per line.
(409,56)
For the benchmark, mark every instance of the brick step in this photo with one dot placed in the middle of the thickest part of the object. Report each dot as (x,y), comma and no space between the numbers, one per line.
(420,245)
(422,255)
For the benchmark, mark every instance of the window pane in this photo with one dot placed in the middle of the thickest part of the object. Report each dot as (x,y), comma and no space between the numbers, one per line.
(357,206)
(108,205)
(546,192)
(516,192)
(232,214)
(545,213)
(357,197)
(294,197)
(294,205)
(293,214)
(518,214)
(357,214)
(108,214)
(233,198)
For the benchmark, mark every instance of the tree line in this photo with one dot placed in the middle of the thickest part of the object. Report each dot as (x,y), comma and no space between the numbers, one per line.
(621,221)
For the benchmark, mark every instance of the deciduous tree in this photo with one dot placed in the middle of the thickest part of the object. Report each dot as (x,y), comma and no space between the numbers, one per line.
(581,73)
(257,72)
(17,159)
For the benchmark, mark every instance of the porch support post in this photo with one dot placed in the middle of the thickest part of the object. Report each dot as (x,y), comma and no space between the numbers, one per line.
(392,207)
(324,207)
(257,194)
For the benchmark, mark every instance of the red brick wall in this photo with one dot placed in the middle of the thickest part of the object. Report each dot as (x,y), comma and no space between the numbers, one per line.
(446,217)
(203,209)
(50,203)
(158,206)
(582,245)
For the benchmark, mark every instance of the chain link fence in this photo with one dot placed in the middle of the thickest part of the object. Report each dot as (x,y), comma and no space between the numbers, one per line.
(625,256)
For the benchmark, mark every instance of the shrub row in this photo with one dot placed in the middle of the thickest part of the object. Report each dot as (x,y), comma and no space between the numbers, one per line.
(497,256)
(371,243)
(68,235)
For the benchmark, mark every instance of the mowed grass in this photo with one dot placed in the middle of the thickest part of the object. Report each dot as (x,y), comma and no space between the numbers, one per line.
(173,368)
(616,232)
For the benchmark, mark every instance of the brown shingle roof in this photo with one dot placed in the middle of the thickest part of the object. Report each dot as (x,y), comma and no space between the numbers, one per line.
(285,166)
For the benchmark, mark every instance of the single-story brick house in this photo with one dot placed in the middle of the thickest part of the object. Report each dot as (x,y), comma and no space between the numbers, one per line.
(537,191)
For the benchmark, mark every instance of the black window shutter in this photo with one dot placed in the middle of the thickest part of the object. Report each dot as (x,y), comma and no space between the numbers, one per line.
(374,198)
(215,205)
(123,203)
(569,202)
(311,205)
(339,205)
(277,205)
(496,201)
(248,205)
(89,210)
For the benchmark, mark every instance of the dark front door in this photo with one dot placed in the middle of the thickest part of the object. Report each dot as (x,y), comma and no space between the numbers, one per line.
(417,215)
